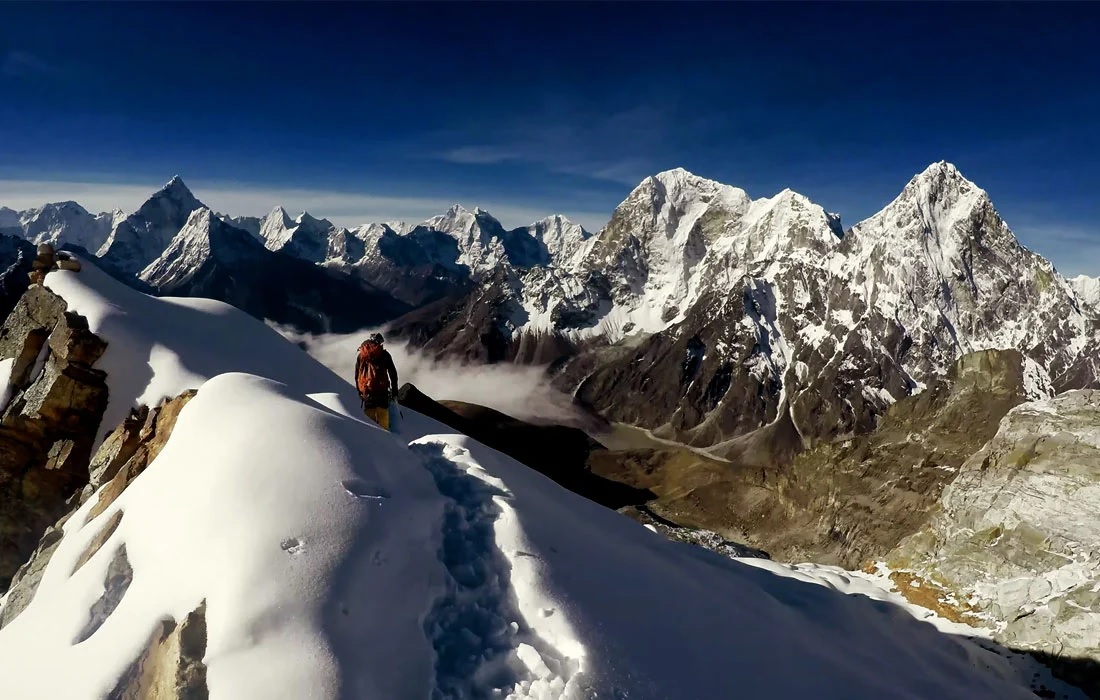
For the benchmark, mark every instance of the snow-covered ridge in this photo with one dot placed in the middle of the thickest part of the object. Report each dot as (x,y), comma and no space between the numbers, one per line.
(1088,291)
(202,235)
(60,221)
(303,236)
(335,560)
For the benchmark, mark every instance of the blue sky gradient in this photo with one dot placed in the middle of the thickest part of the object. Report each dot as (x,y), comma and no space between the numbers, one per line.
(372,111)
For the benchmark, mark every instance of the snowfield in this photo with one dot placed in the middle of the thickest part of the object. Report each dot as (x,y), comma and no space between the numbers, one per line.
(336,560)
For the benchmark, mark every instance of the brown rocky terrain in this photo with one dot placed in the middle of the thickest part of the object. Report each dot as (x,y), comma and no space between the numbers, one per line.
(1016,534)
(843,502)
(49,422)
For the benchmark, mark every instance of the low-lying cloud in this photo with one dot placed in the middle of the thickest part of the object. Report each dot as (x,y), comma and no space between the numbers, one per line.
(517,390)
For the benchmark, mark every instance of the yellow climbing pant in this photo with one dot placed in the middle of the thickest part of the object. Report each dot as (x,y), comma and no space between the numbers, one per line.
(381,416)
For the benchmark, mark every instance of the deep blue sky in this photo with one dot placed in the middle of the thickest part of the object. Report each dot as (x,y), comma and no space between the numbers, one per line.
(378,110)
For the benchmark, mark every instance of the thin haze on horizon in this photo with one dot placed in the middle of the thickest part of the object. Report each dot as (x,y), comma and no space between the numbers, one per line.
(383,111)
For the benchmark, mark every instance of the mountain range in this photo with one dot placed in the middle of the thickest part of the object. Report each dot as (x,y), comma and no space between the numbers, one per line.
(193,507)
(752,327)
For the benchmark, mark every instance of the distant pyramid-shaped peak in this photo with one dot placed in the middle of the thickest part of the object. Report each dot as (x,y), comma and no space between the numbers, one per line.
(176,186)
(278,218)
(176,191)
(934,203)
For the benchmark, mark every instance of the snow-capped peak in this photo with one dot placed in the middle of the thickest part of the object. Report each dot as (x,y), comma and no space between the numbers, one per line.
(932,204)
(178,190)
(941,169)
(455,211)
(280,216)
(199,220)
(942,185)
(202,235)
(143,236)
(305,236)
(1087,290)
(307,219)
(676,176)
(678,185)
(461,222)
(561,237)
(58,223)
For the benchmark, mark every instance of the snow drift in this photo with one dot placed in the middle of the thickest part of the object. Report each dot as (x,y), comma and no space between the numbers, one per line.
(336,560)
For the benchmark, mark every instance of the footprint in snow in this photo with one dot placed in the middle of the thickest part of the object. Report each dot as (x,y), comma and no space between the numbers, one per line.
(360,488)
(293,545)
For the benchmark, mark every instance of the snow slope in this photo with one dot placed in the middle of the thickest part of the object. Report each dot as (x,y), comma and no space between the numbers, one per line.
(340,561)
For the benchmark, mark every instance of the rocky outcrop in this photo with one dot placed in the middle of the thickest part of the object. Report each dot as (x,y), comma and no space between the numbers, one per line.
(16,257)
(124,454)
(130,449)
(54,403)
(171,667)
(1017,534)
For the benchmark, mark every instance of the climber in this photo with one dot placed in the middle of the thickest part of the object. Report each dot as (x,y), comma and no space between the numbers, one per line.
(376,379)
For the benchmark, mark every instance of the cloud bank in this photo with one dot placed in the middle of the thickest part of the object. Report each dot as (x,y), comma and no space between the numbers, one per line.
(519,391)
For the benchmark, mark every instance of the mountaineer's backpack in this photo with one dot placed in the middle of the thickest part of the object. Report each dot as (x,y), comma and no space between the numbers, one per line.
(371,378)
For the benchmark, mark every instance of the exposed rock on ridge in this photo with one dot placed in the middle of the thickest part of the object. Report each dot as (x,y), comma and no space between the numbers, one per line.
(1018,531)
(55,402)
(125,453)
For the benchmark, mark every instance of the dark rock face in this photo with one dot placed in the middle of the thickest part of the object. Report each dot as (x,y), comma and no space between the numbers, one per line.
(559,452)
(714,381)
(290,291)
(16,256)
(418,267)
(473,327)
(50,421)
